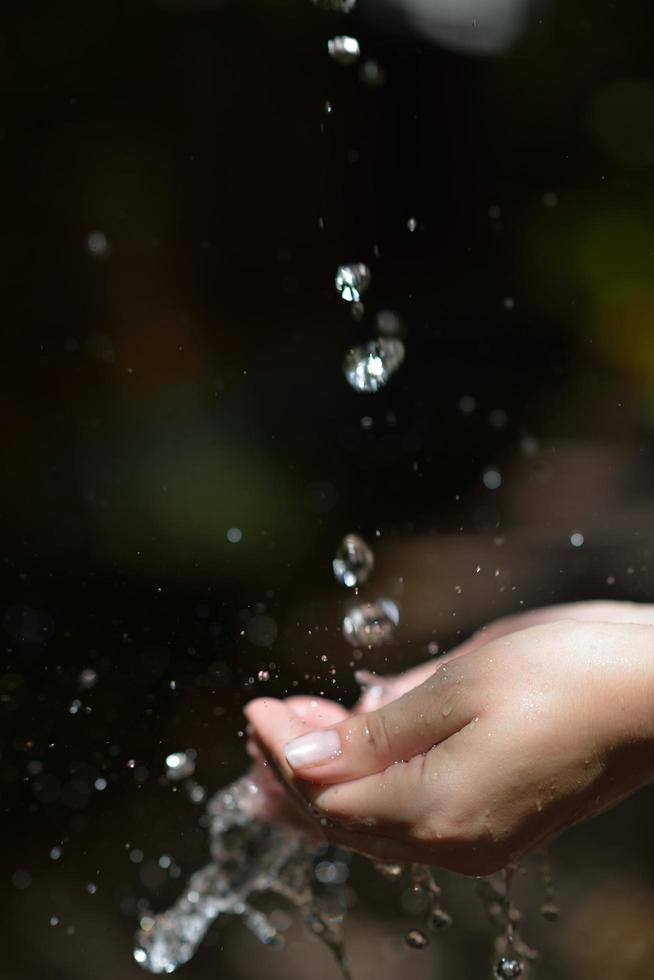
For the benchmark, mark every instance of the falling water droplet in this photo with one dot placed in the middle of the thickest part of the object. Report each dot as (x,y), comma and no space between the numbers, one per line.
(416,939)
(368,368)
(412,224)
(180,765)
(508,968)
(352,280)
(371,624)
(353,561)
(343,49)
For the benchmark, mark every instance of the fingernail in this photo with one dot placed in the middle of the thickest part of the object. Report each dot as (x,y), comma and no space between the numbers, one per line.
(312,749)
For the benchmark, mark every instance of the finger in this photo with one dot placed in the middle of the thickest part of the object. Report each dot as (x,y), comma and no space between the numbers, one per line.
(317,712)
(368,743)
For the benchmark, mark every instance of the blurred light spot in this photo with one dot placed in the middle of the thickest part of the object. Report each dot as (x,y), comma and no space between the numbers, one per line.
(576,539)
(491,478)
(98,244)
(261,631)
(234,535)
(21,879)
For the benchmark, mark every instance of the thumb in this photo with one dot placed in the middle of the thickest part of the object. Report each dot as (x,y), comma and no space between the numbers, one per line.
(368,743)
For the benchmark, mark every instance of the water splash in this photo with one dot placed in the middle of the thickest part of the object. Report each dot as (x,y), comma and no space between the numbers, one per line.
(352,281)
(369,367)
(248,859)
(353,561)
(512,952)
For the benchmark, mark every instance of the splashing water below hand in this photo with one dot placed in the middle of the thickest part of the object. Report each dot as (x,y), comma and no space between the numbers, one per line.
(249,858)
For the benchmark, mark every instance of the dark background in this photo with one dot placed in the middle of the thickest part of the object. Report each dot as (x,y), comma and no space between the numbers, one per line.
(189,381)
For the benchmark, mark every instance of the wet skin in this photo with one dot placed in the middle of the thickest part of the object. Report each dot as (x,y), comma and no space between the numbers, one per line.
(536,723)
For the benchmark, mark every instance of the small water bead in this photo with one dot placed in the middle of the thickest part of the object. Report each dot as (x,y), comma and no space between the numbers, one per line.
(353,561)
(491,478)
(263,676)
(344,49)
(371,624)
(98,244)
(180,765)
(550,911)
(87,678)
(389,870)
(416,939)
(576,539)
(508,968)
(412,224)
(352,280)
(369,368)
(439,920)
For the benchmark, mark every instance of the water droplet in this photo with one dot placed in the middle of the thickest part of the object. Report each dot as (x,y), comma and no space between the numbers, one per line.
(416,939)
(263,676)
(234,535)
(195,792)
(576,539)
(368,368)
(508,968)
(388,869)
(371,624)
(344,49)
(87,678)
(98,245)
(352,280)
(353,561)
(180,765)
(439,919)
(491,478)
(412,224)
(550,911)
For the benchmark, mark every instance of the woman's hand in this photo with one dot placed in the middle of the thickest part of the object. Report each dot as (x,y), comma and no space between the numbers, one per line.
(500,748)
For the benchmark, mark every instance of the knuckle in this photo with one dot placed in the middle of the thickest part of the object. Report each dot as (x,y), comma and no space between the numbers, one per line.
(377,734)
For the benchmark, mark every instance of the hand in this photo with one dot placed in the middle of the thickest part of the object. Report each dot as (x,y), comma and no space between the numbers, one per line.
(499,749)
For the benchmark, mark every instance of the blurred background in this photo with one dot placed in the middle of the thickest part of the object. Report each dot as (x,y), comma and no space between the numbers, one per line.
(183,454)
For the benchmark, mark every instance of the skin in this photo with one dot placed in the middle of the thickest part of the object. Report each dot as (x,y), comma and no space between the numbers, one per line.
(538,722)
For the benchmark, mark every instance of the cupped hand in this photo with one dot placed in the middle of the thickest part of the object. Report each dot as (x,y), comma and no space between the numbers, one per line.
(505,744)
